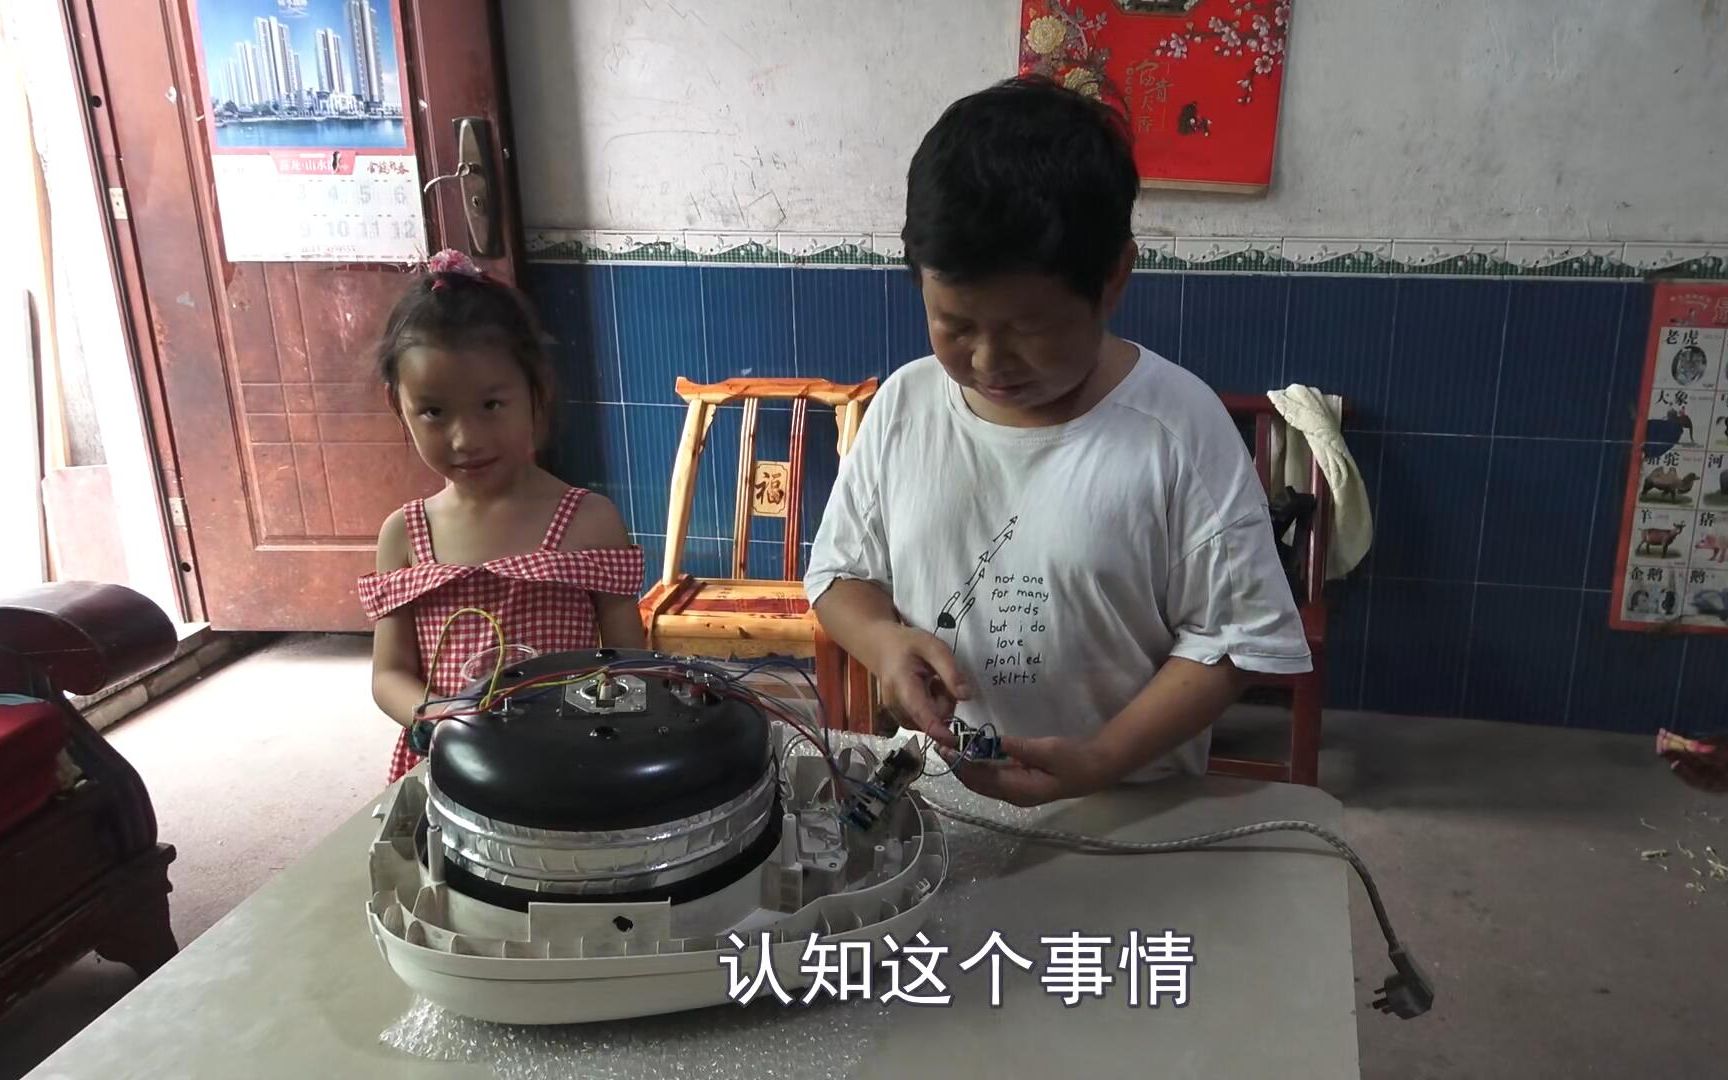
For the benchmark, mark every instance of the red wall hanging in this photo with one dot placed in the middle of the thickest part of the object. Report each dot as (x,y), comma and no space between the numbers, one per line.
(1201,79)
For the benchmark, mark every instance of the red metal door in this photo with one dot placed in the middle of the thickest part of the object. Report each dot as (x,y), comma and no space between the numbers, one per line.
(279,453)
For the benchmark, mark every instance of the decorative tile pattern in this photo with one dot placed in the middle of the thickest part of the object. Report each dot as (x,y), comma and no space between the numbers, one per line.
(888,247)
(589,245)
(746,249)
(1536,259)
(1234,255)
(1451,257)
(1156,253)
(1237,255)
(1339,256)
(829,249)
(1686,260)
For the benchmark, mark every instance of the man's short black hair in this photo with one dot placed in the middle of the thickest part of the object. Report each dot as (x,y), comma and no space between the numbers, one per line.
(1026,176)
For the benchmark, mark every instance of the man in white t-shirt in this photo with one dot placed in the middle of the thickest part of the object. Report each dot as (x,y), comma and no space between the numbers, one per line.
(1044,527)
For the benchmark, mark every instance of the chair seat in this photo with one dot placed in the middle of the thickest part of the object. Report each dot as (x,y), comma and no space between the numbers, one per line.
(739,619)
(692,607)
(757,601)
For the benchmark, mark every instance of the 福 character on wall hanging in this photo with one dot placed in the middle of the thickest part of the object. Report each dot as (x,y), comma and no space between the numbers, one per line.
(1201,79)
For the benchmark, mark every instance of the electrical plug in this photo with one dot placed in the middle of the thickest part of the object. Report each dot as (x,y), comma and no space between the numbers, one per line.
(1407,993)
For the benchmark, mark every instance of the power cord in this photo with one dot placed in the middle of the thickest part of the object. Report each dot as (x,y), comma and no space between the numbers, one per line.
(1406,993)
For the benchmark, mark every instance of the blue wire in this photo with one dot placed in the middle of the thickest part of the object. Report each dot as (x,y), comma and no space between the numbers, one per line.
(810,682)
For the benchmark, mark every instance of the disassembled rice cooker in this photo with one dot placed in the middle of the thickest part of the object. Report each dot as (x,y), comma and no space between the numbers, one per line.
(593,830)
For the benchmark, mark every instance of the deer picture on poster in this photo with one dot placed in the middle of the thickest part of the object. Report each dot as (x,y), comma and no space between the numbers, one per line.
(1200,80)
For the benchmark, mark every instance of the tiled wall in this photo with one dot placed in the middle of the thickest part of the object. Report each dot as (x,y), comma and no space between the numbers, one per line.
(1492,421)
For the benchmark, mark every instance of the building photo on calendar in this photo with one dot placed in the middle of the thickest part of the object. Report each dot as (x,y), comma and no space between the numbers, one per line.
(310,153)
(302,74)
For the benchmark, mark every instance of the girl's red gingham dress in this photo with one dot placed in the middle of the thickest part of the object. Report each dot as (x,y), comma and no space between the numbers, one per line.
(540,598)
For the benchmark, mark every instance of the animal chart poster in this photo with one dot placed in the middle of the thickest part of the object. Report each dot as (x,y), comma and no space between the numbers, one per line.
(1201,79)
(311,151)
(1673,566)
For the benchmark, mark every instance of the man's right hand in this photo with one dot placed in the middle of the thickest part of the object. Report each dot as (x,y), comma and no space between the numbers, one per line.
(920,680)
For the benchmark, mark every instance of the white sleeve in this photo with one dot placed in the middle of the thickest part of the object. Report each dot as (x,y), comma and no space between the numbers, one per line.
(1227,594)
(852,541)
(1228,597)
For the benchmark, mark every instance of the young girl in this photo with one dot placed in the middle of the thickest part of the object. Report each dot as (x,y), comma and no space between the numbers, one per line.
(462,361)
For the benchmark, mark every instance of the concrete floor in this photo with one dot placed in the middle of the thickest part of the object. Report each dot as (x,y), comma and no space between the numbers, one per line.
(1508,857)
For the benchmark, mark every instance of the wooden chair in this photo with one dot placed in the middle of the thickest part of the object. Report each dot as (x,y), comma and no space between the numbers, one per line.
(739,617)
(1306,693)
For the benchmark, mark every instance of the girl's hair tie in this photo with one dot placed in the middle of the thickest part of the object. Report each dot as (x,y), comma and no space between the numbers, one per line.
(451,261)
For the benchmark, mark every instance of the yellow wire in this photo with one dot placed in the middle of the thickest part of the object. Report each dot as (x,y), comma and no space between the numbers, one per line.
(443,634)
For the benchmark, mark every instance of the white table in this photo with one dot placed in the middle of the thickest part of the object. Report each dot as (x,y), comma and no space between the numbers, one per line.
(290,983)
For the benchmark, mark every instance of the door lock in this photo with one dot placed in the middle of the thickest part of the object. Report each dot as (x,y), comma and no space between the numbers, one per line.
(474,175)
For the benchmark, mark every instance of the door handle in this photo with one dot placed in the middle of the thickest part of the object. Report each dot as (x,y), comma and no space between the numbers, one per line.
(474,175)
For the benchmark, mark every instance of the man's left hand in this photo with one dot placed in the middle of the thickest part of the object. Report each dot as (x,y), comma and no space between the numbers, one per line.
(1038,770)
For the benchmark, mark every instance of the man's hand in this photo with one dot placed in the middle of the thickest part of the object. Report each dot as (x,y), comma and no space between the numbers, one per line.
(1038,770)
(1178,704)
(917,674)
(919,678)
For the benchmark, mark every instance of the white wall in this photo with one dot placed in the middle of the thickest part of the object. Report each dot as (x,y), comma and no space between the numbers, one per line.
(1480,119)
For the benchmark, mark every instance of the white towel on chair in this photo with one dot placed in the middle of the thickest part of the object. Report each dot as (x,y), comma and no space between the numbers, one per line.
(1313,420)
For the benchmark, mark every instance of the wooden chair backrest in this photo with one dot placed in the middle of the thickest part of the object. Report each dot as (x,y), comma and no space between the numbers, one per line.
(764,488)
(1257,412)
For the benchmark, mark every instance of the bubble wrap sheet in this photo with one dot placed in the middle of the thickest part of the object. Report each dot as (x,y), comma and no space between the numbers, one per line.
(764,1040)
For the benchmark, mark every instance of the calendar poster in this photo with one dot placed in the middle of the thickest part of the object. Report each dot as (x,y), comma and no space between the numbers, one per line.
(1673,564)
(312,155)
(1201,80)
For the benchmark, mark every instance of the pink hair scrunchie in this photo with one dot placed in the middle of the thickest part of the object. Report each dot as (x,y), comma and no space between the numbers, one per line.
(451,261)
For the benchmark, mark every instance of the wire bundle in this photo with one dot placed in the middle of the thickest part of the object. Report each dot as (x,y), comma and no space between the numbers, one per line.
(689,671)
